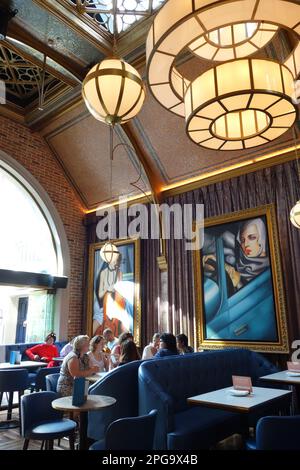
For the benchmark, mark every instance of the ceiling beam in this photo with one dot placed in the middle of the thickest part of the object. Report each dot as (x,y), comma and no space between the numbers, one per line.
(38,63)
(83,25)
(17,30)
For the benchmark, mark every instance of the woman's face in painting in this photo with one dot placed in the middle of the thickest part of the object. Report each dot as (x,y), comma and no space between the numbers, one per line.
(250,241)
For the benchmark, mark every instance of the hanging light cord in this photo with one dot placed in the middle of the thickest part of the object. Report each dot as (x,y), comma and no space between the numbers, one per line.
(133,183)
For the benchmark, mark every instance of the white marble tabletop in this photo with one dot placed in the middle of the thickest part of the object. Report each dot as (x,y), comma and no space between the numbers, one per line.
(22,365)
(224,400)
(283,377)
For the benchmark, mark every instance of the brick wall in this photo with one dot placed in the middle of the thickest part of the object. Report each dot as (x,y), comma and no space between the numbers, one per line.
(31,151)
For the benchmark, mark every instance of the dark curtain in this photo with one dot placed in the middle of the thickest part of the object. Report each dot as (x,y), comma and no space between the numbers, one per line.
(278,185)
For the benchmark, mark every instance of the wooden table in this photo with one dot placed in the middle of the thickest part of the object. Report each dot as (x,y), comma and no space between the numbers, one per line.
(22,365)
(292,381)
(97,376)
(222,399)
(93,403)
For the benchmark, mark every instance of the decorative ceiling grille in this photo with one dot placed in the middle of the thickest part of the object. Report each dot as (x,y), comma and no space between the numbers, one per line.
(22,78)
(125,12)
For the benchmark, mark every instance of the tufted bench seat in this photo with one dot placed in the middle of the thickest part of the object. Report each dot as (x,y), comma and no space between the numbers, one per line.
(165,384)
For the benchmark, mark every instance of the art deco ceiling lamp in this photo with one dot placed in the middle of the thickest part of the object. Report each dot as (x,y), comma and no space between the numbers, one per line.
(113,91)
(241,103)
(233,41)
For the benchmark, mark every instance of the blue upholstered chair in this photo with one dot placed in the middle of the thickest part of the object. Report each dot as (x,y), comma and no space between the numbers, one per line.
(39,382)
(41,422)
(134,433)
(14,380)
(122,384)
(51,382)
(277,433)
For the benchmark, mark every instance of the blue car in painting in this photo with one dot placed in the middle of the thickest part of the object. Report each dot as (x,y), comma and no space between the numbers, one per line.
(247,315)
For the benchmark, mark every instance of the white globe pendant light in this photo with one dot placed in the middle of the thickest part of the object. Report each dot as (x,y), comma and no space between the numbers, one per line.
(109,253)
(113,91)
(295,215)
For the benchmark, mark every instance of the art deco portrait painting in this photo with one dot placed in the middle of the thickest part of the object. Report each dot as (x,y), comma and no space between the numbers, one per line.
(239,283)
(113,297)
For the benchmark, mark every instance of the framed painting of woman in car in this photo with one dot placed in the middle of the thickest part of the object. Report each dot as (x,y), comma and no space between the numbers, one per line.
(239,291)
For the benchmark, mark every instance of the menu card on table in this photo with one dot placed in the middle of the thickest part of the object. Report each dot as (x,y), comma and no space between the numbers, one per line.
(293,366)
(242,383)
(12,357)
(80,389)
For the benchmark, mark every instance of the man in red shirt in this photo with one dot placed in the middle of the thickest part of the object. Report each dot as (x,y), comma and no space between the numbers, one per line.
(44,352)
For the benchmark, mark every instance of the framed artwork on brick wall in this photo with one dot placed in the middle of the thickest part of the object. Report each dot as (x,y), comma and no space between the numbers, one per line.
(114,290)
(239,289)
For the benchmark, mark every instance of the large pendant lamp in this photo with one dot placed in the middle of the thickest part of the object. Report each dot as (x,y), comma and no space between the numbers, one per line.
(253,109)
(113,91)
(233,41)
(243,102)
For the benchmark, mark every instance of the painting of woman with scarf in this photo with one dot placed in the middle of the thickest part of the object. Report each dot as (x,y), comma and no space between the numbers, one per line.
(238,272)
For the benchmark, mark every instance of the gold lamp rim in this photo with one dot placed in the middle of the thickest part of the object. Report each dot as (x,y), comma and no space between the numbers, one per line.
(154,45)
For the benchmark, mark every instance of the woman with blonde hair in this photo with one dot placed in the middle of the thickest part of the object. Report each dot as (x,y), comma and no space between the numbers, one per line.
(75,364)
(96,354)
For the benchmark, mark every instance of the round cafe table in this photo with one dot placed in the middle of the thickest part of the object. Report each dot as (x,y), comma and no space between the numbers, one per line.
(93,403)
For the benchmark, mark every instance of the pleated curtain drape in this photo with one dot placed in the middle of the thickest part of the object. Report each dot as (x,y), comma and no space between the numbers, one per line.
(278,185)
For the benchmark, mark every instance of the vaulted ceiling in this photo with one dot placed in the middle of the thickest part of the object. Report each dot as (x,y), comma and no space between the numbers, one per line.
(50,46)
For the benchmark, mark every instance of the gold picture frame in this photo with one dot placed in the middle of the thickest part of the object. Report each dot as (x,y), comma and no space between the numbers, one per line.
(116,307)
(237,278)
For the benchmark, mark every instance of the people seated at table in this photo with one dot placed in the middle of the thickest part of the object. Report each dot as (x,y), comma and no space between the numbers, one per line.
(67,348)
(167,346)
(116,352)
(75,364)
(44,352)
(129,352)
(183,344)
(110,339)
(96,354)
(151,349)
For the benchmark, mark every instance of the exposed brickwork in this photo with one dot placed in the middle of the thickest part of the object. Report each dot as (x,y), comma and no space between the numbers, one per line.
(31,151)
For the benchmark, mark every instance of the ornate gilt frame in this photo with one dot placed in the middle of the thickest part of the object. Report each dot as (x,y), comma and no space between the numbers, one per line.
(137,298)
(282,345)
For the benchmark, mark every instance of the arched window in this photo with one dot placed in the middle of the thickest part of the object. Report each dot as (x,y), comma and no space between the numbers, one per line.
(30,258)
(26,239)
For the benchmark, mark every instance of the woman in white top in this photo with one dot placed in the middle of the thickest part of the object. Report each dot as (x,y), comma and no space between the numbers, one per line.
(96,355)
(152,348)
